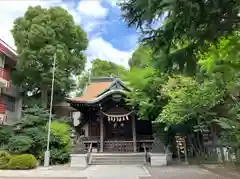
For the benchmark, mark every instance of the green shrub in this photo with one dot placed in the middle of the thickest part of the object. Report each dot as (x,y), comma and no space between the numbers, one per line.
(6,132)
(23,161)
(39,137)
(59,156)
(4,159)
(61,130)
(19,144)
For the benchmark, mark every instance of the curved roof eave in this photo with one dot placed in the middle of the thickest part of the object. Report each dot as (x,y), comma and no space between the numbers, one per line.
(99,98)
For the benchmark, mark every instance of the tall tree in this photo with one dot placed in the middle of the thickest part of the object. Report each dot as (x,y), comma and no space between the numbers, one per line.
(103,68)
(141,57)
(100,68)
(41,34)
(185,25)
(146,84)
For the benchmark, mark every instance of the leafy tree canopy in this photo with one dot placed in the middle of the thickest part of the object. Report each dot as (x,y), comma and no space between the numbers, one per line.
(40,35)
(141,57)
(103,68)
(185,26)
(146,85)
(100,68)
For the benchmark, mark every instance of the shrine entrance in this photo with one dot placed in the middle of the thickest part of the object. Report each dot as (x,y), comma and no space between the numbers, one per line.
(110,123)
(118,127)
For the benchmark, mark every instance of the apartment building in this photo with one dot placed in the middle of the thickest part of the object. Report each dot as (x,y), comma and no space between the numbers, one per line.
(10,98)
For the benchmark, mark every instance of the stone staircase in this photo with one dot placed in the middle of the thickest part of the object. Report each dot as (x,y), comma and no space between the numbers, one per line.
(117,159)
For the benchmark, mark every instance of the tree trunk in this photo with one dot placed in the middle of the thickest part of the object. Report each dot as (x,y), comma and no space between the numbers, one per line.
(44,97)
(214,142)
(222,153)
(237,153)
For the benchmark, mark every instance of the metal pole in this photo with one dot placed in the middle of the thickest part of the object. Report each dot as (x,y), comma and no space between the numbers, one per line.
(47,152)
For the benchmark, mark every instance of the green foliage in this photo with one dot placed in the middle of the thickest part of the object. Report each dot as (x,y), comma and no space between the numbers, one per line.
(31,135)
(166,24)
(40,35)
(59,156)
(39,137)
(62,131)
(189,100)
(32,116)
(4,159)
(222,61)
(6,133)
(100,68)
(145,85)
(20,144)
(23,161)
(141,57)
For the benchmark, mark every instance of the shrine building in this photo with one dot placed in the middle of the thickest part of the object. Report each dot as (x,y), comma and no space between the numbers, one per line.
(105,121)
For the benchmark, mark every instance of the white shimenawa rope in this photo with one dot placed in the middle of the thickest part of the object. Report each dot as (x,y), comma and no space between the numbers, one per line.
(117,117)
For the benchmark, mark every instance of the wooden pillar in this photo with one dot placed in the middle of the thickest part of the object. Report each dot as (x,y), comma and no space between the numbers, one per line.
(134,133)
(101,134)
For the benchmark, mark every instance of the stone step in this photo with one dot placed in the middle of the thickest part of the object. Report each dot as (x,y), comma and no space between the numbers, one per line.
(117,159)
(116,163)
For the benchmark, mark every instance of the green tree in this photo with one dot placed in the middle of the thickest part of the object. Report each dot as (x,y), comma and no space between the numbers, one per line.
(222,62)
(103,68)
(189,100)
(141,57)
(40,35)
(100,68)
(146,85)
(176,29)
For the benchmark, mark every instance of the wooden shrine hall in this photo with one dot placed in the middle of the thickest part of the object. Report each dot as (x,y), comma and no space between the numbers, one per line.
(105,120)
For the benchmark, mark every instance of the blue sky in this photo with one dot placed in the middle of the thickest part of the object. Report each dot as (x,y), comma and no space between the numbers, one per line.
(109,37)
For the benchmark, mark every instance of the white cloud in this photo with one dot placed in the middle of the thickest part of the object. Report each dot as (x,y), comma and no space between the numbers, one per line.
(92,9)
(10,10)
(73,12)
(99,48)
(90,14)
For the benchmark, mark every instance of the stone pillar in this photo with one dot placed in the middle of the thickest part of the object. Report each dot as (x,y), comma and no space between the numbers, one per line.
(134,133)
(101,134)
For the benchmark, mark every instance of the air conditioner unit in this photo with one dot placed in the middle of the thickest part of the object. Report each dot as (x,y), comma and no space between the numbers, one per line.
(3,119)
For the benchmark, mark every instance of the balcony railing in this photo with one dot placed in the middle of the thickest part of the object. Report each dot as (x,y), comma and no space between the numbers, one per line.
(2,108)
(5,74)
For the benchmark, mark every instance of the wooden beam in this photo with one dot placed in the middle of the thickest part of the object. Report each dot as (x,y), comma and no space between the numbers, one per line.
(101,133)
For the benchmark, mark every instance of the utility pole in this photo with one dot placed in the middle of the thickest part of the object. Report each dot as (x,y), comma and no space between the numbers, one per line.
(47,152)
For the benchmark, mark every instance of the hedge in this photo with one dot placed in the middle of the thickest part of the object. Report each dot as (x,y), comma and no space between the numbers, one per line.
(4,159)
(23,161)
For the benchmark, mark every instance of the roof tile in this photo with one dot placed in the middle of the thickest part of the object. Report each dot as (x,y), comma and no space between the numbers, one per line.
(92,91)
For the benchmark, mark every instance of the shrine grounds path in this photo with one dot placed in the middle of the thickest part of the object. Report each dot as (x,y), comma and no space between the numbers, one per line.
(113,172)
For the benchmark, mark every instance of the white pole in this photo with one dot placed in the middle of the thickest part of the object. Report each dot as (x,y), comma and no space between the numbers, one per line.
(47,152)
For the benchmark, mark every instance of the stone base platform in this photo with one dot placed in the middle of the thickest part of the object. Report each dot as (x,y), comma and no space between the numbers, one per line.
(160,159)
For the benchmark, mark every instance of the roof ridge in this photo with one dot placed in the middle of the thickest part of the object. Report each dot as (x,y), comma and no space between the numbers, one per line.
(102,79)
(8,47)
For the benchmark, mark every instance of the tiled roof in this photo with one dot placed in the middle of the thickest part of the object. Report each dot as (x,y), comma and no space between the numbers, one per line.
(92,91)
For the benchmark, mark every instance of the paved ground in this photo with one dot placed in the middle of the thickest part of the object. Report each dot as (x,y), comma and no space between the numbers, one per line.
(92,172)
(181,172)
(230,172)
(113,172)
